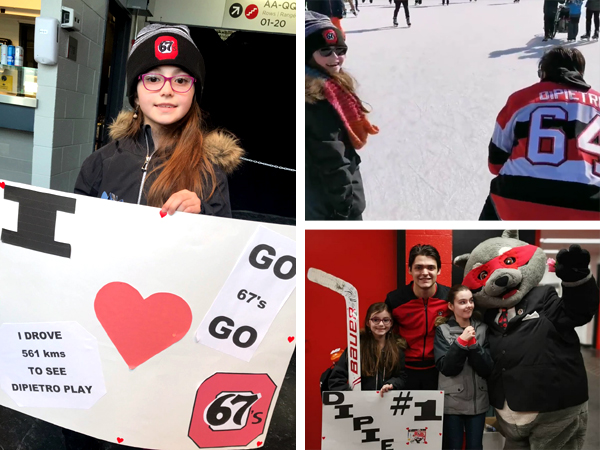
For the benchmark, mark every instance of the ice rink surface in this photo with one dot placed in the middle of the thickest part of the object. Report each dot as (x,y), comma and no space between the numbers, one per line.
(435,90)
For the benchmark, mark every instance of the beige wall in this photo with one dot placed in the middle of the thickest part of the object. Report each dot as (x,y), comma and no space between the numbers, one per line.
(9,26)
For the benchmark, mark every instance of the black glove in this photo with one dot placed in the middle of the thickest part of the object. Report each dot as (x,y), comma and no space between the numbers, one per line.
(573,264)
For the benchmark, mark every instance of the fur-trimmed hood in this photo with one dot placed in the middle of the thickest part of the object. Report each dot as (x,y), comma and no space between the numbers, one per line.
(313,89)
(222,148)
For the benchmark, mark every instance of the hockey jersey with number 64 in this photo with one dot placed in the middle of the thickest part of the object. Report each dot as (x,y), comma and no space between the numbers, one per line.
(545,151)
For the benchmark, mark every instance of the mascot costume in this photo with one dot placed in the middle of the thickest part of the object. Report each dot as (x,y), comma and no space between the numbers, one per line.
(538,384)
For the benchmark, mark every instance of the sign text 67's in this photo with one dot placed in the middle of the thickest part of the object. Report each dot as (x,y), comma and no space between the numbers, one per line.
(261,282)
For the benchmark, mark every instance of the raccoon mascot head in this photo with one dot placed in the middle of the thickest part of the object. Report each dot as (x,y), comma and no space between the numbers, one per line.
(501,271)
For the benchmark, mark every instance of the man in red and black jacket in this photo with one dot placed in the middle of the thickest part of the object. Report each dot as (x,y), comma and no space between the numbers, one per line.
(415,307)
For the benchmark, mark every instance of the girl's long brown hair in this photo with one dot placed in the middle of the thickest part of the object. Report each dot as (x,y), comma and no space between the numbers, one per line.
(372,360)
(342,78)
(181,159)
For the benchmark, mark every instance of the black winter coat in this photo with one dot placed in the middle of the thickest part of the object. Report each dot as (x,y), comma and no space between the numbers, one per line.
(551,6)
(338,380)
(330,8)
(115,171)
(537,360)
(334,188)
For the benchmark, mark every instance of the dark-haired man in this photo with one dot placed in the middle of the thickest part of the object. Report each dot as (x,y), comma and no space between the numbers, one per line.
(545,149)
(415,308)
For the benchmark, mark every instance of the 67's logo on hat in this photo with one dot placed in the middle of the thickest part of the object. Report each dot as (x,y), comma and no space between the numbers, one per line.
(165,47)
(330,36)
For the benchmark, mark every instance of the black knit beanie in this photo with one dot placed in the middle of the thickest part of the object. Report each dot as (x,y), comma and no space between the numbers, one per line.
(319,32)
(168,45)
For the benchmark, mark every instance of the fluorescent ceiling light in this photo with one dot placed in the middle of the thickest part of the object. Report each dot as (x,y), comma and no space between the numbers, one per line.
(569,241)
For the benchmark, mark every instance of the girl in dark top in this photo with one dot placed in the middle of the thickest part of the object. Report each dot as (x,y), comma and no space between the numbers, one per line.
(336,126)
(463,358)
(381,355)
(160,154)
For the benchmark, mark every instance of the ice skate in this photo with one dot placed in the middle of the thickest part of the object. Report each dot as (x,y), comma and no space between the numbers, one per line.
(585,37)
(408,22)
(395,22)
(595,36)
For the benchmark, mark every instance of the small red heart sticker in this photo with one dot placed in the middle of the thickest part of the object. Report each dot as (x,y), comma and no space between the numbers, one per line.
(440,434)
(162,213)
(2,184)
(290,338)
(119,440)
(323,437)
(259,443)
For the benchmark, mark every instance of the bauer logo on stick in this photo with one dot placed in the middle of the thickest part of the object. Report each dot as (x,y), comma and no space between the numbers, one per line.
(330,36)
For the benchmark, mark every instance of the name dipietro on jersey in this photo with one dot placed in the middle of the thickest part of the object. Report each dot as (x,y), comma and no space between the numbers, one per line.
(546,152)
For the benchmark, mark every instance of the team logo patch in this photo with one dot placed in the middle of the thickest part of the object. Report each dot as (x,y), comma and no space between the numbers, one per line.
(417,436)
(165,47)
(330,36)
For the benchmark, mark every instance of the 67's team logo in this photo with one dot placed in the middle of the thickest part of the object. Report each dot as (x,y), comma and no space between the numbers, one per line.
(165,47)
(231,409)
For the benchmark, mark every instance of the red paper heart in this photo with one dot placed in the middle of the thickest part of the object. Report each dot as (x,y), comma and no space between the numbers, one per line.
(162,213)
(323,437)
(259,443)
(119,440)
(2,184)
(141,328)
(290,338)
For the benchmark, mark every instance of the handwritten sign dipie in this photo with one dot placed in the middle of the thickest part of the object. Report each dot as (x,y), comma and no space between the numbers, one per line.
(50,365)
(261,282)
(355,420)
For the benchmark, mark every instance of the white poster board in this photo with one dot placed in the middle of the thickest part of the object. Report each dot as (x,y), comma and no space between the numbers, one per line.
(267,16)
(137,286)
(354,420)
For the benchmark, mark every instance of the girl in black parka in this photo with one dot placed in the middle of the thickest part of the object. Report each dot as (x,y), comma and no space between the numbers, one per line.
(381,355)
(160,154)
(336,126)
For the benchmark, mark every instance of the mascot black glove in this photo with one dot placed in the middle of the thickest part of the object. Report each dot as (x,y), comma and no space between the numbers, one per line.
(573,264)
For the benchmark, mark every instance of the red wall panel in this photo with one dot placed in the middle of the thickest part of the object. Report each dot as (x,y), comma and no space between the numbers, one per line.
(367,260)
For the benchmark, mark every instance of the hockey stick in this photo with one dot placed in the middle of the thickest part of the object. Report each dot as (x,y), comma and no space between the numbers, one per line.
(351,295)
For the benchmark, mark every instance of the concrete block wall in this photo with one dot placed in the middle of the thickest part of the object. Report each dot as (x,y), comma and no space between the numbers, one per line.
(16,153)
(65,121)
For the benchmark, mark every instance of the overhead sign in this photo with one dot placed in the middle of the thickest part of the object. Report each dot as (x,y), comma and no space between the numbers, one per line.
(355,420)
(268,16)
(99,303)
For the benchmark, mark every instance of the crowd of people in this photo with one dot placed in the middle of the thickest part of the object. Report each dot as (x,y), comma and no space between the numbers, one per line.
(553,179)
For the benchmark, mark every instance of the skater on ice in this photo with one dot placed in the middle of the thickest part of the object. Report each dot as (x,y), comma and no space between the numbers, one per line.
(544,149)
(404,4)
(550,9)
(592,10)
